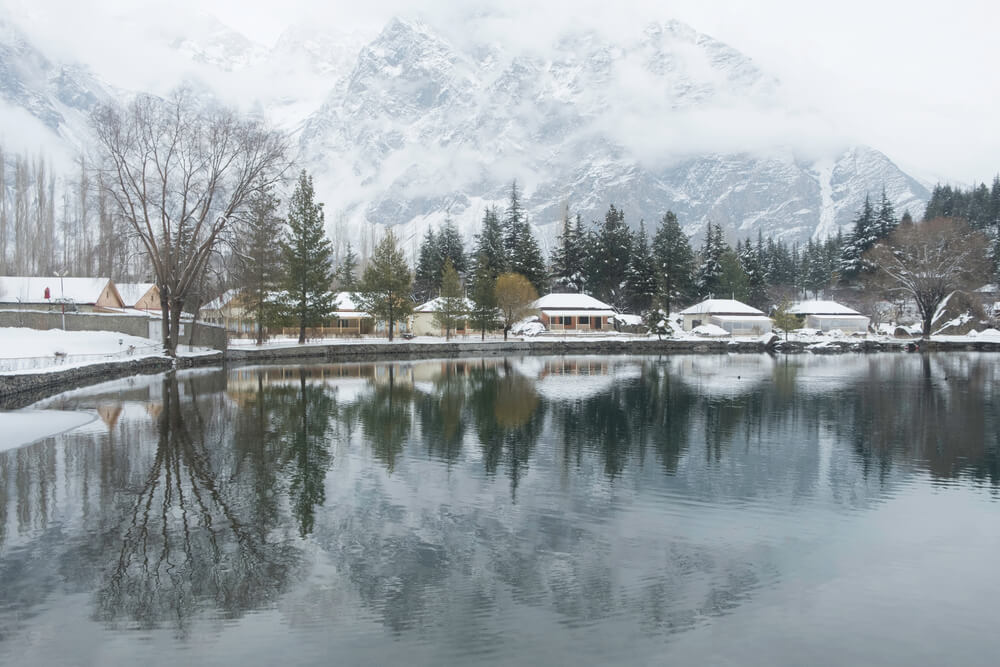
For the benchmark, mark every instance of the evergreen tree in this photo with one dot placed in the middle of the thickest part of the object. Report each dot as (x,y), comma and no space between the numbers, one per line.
(451,310)
(308,260)
(513,220)
(733,279)
(641,275)
(709,274)
(450,247)
(484,315)
(885,220)
(385,286)
(427,277)
(346,274)
(527,259)
(863,237)
(751,261)
(610,257)
(906,220)
(569,256)
(674,262)
(815,270)
(258,267)
(489,251)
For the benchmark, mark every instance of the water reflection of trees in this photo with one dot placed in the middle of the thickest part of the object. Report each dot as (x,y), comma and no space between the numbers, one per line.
(189,538)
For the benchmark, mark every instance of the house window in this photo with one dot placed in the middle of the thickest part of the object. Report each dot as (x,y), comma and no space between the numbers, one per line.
(583,319)
(557,319)
(344,324)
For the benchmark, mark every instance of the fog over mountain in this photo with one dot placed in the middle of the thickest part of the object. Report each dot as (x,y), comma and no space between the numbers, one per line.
(409,125)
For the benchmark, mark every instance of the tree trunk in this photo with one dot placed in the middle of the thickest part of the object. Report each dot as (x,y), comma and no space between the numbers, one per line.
(390,328)
(175,326)
(505,330)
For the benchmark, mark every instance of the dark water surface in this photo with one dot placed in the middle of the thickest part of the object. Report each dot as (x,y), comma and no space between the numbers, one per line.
(538,510)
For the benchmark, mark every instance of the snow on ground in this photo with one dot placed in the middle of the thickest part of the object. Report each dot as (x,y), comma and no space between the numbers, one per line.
(27,426)
(710,330)
(30,350)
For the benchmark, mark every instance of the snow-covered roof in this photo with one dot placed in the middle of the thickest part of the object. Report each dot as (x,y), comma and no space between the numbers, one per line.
(24,289)
(989,289)
(571,302)
(222,301)
(721,307)
(434,305)
(346,301)
(821,308)
(132,292)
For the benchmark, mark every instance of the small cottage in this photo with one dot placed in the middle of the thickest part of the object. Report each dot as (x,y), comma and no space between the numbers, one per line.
(574,312)
(422,322)
(735,317)
(348,318)
(828,316)
(227,311)
(140,296)
(86,295)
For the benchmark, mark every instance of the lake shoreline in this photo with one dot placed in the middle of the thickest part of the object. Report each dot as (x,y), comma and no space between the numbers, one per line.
(23,389)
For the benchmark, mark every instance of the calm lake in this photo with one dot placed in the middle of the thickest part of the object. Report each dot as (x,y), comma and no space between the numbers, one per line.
(587,510)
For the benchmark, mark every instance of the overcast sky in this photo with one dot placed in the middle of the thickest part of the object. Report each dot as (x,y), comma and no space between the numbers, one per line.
(910,78)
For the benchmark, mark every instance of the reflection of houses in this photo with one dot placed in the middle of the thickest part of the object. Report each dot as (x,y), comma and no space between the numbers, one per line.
(573,312)
(78,294)
(140,296)
(829,315)
(422,322)
(735,317)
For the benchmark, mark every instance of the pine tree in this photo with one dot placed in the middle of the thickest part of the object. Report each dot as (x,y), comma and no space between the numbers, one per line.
(527,259)
(732,278)
(885,220)
(709,275)
(451,310)
(569,256)
(385,286)
(308,260)
(257,270)
(484,316)
(450,247)
(641,275)
(489,249)
(346,274)
(674,262)
(751,261)
(427,277)
(864,235)
(610,258)
(512,222)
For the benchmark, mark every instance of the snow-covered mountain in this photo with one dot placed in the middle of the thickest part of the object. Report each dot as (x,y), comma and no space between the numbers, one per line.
(410,126)
(420,127)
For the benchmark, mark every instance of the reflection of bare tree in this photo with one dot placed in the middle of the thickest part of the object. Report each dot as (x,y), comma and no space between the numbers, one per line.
(185,543)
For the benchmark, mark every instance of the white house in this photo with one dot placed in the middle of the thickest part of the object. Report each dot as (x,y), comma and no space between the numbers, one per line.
(422,321)
(829,315)
(573,312)
(349,319)
(81,294)
(735,317)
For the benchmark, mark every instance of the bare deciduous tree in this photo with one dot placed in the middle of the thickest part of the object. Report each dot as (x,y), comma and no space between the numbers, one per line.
(930,260)
(178,172)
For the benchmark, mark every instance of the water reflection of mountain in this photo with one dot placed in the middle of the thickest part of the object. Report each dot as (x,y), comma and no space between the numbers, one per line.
(438,494)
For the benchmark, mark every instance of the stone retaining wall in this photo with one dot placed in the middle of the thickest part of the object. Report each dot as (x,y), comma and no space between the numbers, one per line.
(205,335)
(19,390)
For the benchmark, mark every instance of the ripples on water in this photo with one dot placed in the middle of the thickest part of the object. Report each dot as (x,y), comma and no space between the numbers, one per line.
(538,510)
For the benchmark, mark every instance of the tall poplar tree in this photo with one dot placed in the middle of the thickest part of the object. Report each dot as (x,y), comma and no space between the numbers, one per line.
(308,259)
